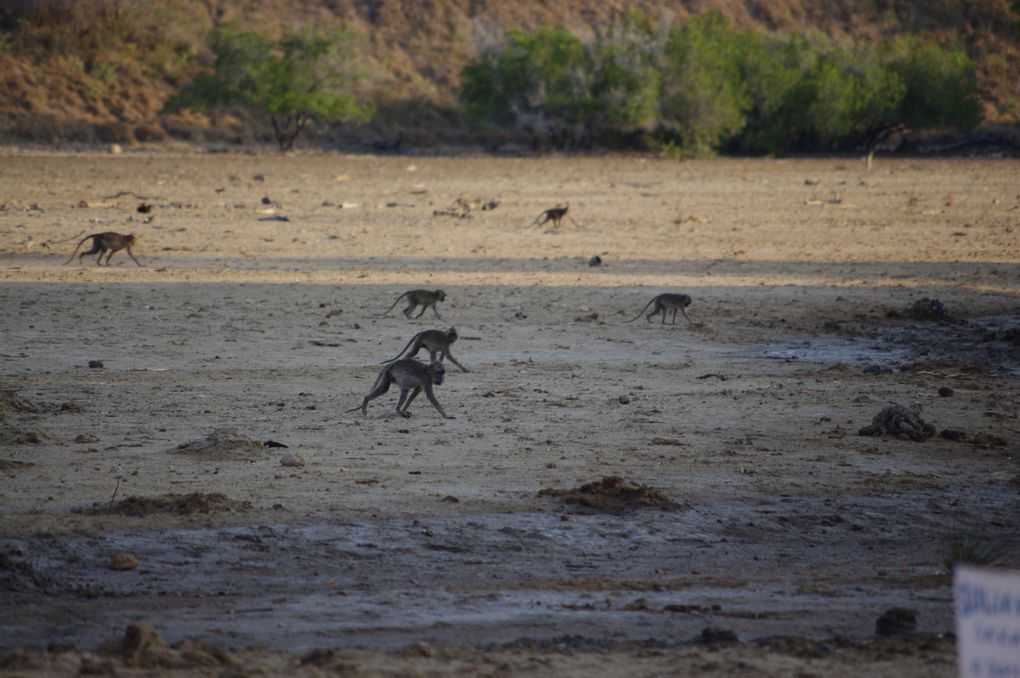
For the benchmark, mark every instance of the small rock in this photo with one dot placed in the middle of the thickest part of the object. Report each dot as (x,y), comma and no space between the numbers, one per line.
(623,400)
(292,460)
(946,392)
(896,620)
(450,499)
(953,434)
(711,635)
(273,443)
(123,562)
(595,261)
(96,364)
(266,200)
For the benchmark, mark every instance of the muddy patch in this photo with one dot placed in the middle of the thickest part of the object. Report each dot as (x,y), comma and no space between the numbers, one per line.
(614,494)
(977,346)
(180,504)
(224,445)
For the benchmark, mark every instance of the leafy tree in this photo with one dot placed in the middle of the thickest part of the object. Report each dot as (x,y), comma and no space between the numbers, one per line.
(539,81)
(704,98)
(295,80)
(626,80)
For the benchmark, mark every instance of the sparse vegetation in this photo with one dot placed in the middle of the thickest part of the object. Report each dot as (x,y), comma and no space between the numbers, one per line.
(294,81)
(679,83)
(965,549)
(705,86)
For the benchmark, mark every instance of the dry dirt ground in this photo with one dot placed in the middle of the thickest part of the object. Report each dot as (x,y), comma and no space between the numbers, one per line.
(142,488)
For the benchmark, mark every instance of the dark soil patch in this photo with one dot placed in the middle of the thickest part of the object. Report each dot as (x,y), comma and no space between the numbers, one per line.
(613,493)
(181,504)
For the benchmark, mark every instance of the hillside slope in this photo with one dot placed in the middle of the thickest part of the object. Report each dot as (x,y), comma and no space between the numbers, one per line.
(101,70)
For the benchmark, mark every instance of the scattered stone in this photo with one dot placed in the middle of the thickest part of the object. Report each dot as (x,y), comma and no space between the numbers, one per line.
(595,261)
(273,443)
(144,208)
(450,499)
(123,562)
(84,438)
(96,364)
(711,635)
(292,460)
(953,434)
(895,621)
(614,494)
(946,392)
(898,421)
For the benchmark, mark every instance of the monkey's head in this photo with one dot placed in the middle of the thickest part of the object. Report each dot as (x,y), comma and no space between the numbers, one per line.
(685,300)
(440,295)
(438,373)
(451,334)
(129,239)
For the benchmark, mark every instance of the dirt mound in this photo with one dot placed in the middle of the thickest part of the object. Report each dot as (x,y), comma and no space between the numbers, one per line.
(613,493)
(181,504)
(15,434)
(926,309)
(11,402)
(897,420)
(223,445)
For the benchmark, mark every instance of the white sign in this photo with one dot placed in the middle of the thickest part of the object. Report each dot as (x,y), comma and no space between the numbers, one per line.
(987,622)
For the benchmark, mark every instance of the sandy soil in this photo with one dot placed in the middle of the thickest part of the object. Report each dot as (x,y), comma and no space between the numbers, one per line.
(422,544)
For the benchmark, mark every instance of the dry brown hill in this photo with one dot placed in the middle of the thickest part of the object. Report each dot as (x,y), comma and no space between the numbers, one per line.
(100,70)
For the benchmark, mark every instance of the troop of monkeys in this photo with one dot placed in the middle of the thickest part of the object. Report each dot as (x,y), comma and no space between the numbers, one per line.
(108,242)
(411,376)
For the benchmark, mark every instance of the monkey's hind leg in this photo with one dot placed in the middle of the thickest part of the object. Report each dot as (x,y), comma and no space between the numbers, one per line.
(382,385)
(410,309)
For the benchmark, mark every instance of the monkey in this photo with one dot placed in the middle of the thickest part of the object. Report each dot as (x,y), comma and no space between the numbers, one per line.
(409,375)
(423,298)
(553,214)
(105,242)
(434,341)
(667,302)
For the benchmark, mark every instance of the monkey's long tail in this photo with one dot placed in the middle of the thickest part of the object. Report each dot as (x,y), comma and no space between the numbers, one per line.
(353,409)
(394,305)
(641,313)
(397,357)
(80,243)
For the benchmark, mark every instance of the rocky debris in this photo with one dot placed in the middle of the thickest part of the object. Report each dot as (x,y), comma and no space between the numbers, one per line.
(927,309)
(898,421)
(123,562)
(292,460)
(223,444)
(896,621)
(613,494)
(711,635)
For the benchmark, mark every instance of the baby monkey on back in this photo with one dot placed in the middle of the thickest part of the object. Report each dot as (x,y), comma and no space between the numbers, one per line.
(410,376)
(435,342)
(105,242)
(423,298)
(666,302)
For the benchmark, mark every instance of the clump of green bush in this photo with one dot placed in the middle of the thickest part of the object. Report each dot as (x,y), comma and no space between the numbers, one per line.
(703,86)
